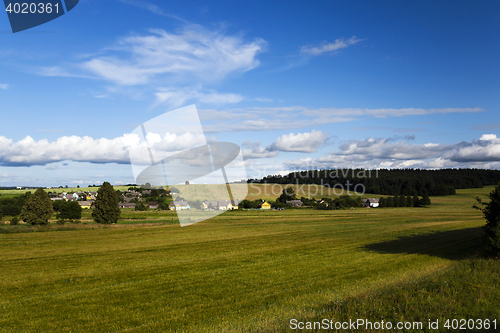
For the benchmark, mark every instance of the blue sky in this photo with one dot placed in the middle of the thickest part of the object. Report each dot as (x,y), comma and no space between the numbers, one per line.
(297,84)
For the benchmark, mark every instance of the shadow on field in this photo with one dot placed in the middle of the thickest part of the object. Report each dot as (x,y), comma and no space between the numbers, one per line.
(454,244)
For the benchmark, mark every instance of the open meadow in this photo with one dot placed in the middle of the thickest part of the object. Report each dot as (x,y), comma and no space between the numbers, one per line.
(248,271)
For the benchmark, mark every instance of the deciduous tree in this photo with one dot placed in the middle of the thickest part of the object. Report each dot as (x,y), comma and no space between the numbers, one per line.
(38,209)
(106,209)
(70,210)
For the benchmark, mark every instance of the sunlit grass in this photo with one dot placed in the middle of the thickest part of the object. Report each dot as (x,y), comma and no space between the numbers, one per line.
(240,271)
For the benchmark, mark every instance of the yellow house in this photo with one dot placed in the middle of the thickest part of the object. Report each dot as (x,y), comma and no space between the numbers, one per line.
(265,205)
(85,204)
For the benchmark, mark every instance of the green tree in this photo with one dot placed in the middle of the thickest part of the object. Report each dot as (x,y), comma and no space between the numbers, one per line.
(426,201)
(140,206)
(70,210)
(38,209)
(409,201)
(416,201)
(14,220)
(106,209)
(491,213)
(288,194)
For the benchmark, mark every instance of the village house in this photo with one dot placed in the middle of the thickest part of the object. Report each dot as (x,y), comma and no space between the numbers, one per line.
(153,205)
(265,205)
(85,204)
(295,203)
(372,202)
(126,205)
(220,205)
(179,205)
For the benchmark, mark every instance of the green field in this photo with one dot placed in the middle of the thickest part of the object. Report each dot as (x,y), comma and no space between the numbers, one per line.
(241,271)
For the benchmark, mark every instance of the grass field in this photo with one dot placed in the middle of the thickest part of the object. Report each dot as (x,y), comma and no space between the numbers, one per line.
(247,270)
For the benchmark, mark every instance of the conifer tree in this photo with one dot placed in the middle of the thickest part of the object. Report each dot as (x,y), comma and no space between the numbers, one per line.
(426,201)
(106,209)
(491,213)
(416,201)
(38,209)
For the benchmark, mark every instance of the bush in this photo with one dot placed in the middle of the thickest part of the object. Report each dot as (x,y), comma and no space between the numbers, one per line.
(14,220)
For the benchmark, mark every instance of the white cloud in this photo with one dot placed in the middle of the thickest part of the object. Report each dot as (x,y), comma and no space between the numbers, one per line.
(486,149)
(330,47)
(178,97)
(258,152)
(27,151)
(55,71)
(386,153)
(151,7)
(4,86)
(387,149)
(193,52)
(300,142)
(286,118)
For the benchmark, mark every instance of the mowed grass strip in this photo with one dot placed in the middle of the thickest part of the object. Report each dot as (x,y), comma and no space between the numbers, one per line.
(240,271)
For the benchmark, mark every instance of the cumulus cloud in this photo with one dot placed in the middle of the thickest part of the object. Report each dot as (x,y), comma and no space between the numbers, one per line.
(258,152)
(192,52)
(326,47)
(28,152)
(486,149)
(300,142)
(388,149)
(307,142)
(390,153)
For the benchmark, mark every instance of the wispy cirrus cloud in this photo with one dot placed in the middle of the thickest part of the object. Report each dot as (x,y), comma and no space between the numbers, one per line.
(192,52)
(171,66)
(283,118)
(177,97)
(152,8)
(4,86)
(327,47)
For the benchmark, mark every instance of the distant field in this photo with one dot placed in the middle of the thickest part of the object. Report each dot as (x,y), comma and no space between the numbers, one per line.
(241,271)
(60,190)
(201,192)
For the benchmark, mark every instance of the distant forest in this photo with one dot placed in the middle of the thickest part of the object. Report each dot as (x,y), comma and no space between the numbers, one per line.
(392,182)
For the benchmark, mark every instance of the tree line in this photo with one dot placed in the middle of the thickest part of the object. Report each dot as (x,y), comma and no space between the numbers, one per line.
(37,208)
(392,181)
